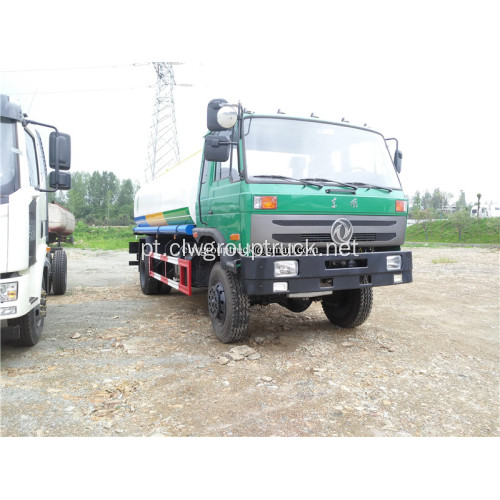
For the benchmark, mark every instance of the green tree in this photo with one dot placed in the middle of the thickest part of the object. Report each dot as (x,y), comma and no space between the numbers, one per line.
(110,187)
(426,200)
(96,196)
(440,200)
(425,217)
(125,201)
(461,203)
(416,204)
(460,219)
(78,195)
(99,198)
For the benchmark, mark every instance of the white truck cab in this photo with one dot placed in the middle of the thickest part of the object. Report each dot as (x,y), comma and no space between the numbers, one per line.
(27,266)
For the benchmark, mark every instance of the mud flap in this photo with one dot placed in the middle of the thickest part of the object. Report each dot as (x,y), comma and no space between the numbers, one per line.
(11,332)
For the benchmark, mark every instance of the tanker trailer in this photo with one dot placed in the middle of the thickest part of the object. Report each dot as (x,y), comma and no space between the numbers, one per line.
(276,209)
(61,223)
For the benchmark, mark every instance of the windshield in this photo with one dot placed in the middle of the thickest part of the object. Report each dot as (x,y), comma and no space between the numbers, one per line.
(9,177)
(313,150)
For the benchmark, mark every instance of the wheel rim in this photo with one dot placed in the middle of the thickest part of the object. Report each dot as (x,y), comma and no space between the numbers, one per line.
(217,302)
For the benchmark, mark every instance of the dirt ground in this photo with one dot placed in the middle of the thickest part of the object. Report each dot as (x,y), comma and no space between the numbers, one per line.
(114,362)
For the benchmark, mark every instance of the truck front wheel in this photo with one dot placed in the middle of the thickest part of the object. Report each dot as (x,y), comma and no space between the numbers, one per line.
(348,308)
(228,306)
(31,324)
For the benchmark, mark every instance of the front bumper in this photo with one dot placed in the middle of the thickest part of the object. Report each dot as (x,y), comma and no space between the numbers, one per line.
(322,274)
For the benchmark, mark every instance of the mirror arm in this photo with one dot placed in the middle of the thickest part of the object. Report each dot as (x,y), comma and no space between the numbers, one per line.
(47,190)
(33,122)
(397,147)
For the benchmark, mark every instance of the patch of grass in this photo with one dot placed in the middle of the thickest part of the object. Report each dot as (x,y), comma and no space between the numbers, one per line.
(102,238)
(475,231)
(444,260)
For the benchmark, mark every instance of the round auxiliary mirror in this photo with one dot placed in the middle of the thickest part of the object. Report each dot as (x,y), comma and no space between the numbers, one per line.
(227,116)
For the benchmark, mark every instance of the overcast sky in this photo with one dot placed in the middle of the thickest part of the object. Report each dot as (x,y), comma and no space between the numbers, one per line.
(426,74)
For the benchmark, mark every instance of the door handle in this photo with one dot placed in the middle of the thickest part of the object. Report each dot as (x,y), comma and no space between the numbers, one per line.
(210,212)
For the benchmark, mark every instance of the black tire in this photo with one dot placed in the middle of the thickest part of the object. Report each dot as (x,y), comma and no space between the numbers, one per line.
(31,324)
(348,308)
(149,285)
(228,306)
(297,305)
(59,272)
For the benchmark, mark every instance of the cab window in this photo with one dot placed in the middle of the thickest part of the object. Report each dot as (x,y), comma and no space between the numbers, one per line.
(32,163)
(9,159)
(229,168)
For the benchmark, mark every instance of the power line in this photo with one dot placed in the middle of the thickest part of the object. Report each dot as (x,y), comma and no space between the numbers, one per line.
(75,68)
(80,90)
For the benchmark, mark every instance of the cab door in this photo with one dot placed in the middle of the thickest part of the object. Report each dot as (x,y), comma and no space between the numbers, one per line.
(220,195)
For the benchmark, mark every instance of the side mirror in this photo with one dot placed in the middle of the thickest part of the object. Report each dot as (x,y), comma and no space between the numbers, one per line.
(398,159)
(60,180)
(60,151)
(220,116)
(216,148)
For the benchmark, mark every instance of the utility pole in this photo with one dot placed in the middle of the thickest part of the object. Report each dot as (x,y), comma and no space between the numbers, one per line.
(163,150)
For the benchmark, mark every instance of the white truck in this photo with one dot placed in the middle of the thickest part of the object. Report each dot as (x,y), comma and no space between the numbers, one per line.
(487,210)
(29,269)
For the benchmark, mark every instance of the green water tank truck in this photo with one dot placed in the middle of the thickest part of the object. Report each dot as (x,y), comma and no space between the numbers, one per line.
(276,209)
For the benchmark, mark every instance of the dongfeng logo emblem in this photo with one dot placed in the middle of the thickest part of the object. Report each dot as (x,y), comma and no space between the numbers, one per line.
(341,231)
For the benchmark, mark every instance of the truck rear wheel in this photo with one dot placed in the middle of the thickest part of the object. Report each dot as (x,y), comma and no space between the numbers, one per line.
(149,285)
(348,308)
(59,272)
(228,306)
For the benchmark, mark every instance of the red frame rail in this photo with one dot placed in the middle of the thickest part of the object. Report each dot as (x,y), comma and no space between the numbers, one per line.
(184,284)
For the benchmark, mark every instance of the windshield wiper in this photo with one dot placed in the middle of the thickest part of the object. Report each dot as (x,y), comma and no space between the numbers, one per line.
(282,177)
(369,186)
(341,184)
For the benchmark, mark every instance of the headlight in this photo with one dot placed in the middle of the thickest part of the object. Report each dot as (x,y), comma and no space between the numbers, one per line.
(394,262)
(8,291)
(286,268)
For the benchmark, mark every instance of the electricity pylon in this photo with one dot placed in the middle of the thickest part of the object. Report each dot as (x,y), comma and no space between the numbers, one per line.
(163,150)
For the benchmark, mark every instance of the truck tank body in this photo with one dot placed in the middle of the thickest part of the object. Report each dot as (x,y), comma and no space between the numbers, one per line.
(170,198)
(61,220)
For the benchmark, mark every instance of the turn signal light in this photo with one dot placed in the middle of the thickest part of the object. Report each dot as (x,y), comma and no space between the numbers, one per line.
(401,205)
(265,202)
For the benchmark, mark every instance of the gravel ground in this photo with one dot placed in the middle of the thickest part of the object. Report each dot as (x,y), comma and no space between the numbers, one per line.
(114,362)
